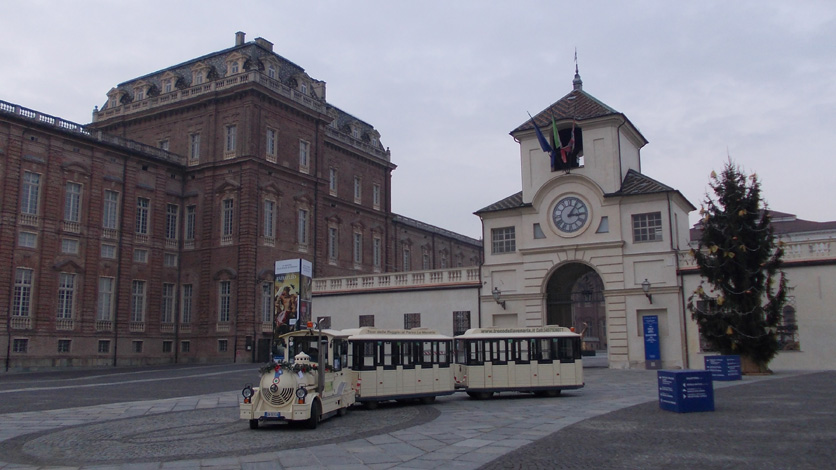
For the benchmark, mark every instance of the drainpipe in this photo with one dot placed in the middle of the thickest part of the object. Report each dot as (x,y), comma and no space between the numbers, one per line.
(119,245)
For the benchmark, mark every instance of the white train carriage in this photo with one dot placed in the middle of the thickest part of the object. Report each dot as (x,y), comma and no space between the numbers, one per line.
(400,364)
(542,360)
(307,383)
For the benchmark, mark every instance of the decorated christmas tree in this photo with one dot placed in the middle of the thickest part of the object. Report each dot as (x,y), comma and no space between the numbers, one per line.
(738,305)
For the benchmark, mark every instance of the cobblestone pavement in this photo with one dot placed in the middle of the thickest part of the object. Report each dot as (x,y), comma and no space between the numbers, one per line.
(788,423)
(508,431)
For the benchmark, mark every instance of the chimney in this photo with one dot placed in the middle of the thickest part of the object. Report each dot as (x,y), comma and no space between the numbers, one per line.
(239,38)
(264,43)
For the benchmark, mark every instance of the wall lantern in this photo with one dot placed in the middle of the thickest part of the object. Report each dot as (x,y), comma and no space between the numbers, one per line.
(646,289)
(495,293)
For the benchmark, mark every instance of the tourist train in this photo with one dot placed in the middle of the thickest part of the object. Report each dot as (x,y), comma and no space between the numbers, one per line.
(318,373)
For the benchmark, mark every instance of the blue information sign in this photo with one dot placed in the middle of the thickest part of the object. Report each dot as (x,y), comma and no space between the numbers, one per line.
(723,367)
(651,338)
(685,391)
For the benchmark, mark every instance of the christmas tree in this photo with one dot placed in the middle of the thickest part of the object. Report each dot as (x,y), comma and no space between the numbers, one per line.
(740,309)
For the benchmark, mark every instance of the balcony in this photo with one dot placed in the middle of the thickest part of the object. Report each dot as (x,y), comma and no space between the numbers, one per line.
(405,280)
(104,325)
(29,219)
(136,327)
(167,328)
(21,323)
(71,227)
(110,234)
(222,327)
(64,324)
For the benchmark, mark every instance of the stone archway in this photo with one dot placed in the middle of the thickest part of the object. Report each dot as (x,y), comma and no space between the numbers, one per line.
(575,298)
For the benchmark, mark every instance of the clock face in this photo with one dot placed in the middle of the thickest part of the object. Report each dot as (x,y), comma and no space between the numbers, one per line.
(570,214)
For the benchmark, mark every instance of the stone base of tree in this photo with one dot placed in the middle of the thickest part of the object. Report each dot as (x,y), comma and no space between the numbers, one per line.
(749,366)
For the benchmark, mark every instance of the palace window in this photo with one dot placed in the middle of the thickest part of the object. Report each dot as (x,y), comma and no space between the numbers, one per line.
(171,213)
(461,322)
(20,345)
(110,210)
(377,253)
(105,310)
(191,213)
(170,260)
(269,219)
(227,219)
(167,314)
(64,345)
(69,246)
(186,310)
(30,193)
(411,320)
(108,251)
(66,295)
(104,346)
(333,241)
(304,156)
(366,320)
(194,149)
(302,232)
(229,146)
(503,240)
(358,248)
(142,207)
(138,301)
(72,202)
(27,240)
(140,255)
(407,258)
(22,293)
(647,227)
(271,145)
(224,301)
(267,302)
(332,181)
(358,190)
(376,196)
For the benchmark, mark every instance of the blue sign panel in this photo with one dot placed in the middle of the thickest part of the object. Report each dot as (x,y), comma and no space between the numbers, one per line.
(651,338)
(685,391)
(723,367)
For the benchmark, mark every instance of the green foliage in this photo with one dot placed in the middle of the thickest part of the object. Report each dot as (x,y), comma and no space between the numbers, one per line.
(739,259)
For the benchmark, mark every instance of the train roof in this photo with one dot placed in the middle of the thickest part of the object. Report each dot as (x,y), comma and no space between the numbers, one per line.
(502,332)
(314,332)
(369,333)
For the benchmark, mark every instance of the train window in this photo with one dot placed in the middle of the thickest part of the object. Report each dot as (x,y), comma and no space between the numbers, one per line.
(476,352)
(428,353)
(461,351)
(388,360)
(519,351)
(546,356)
(407,349)
(366,351)
(340,354)
(497,351)
(443,354)
(569,350)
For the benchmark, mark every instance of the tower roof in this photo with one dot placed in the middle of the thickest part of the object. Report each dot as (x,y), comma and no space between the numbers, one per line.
(577,105)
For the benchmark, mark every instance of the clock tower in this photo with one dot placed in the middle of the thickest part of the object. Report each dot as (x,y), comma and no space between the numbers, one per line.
(587,230)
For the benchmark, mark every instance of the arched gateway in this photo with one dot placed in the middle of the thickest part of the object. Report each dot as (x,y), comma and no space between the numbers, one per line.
(575,297)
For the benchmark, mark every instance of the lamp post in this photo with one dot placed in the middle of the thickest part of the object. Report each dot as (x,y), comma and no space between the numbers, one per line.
(495,293)
(646,289)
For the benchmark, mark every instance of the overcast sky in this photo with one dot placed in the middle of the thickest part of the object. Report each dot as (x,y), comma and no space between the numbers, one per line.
(444,82)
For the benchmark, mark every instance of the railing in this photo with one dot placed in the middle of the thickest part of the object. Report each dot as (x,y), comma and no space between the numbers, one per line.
(64,324)
(95,134)
(104,325)
(408,280)
(136,327)
(222,327)
(141,238)
(171,243)
(110,233)
(266,327)
(793,251)
(29,219)
(185,328)
(71,227)
(167,328)
(210,87)
(21,323)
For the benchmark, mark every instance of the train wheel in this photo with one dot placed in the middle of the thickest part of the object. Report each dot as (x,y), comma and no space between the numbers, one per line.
(427,400)
(552,393)
(342,411)
(370,405)
(480,395)
(316,411)
(253,424)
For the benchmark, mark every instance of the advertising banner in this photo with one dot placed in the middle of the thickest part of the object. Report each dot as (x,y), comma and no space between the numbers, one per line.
(293,284)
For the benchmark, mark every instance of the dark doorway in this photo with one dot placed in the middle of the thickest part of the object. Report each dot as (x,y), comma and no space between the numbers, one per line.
(575,298)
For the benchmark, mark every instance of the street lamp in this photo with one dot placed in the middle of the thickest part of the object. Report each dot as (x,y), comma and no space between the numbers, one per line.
(646,289)
(495,293)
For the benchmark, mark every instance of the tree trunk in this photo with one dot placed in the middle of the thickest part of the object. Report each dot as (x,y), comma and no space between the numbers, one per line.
(749,366)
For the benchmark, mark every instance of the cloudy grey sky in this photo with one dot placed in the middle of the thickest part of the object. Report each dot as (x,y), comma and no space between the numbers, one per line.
(444,82)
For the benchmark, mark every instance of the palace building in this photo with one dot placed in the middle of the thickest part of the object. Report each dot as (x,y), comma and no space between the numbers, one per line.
(149,235)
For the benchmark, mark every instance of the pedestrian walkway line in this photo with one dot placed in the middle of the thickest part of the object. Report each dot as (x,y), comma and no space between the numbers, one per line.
(125,382)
